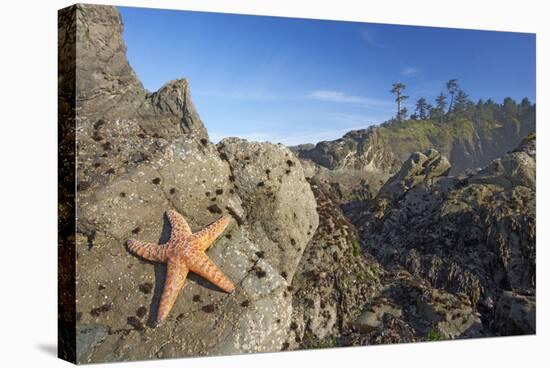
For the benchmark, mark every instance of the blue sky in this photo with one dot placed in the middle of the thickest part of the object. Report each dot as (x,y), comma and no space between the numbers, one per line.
(303,81)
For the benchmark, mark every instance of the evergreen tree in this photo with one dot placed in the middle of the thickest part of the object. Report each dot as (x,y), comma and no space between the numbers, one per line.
(429,110)
(486,110)
(510,108)
(461,103)
(527,111)
(452,88)
(399,98)
(525,105)
(441,103)
(404,112)
(421,108)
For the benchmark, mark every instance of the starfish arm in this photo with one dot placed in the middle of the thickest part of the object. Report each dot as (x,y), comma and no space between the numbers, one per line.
(180,227)
(176,274)
(206,236)
(199,263)
(149,251)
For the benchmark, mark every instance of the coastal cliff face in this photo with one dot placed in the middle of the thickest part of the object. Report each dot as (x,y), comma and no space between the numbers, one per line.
(468,144)
(379,151)
(309,272)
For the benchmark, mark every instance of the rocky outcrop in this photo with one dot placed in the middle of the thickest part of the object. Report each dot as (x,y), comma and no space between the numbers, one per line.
(351,169)
(473,234)
(362,149)
(515,314)
(343,296)
(119,123)
(275,194)
(119,291)
(420,168)
(104,78)
(346,186)
(410,309)
(468,143)
(141,153)
(333,280)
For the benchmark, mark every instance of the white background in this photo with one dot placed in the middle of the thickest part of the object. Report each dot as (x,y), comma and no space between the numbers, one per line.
(28,175)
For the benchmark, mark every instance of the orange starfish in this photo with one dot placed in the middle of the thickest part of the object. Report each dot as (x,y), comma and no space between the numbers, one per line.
(184,252)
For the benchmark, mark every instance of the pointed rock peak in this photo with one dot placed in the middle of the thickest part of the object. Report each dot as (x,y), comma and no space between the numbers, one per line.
(102,67)
(418,168)
(174,99)
(106,84)
(171,98)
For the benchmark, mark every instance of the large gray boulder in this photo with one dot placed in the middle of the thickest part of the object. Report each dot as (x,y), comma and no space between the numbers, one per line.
(421,167)
(271,182)
(516,314)
(517,168)
(118,290)
(142,153)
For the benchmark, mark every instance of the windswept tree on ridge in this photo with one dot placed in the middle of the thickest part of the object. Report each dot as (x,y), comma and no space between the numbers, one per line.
(461,107)
(399,98)
(452,88)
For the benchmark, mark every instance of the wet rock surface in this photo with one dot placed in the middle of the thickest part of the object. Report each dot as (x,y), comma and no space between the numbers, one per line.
(410,309)
(515,314)
(471,235)
(333,280)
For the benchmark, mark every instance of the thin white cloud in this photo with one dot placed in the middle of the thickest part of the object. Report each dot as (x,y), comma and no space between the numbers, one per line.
(369,36)
(410,71)
(341,97)
(238,95)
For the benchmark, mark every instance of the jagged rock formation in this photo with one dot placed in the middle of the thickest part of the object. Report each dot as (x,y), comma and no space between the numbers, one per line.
(362,149)
(343,295)
(141,153)
(470,235)
(352,168)
(113,105)
(410,309)
(346,186)
(333,281)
